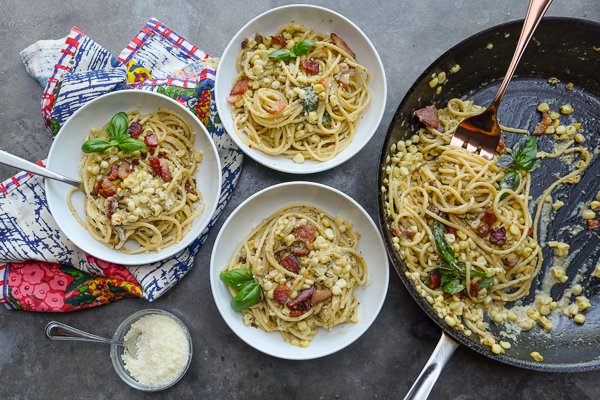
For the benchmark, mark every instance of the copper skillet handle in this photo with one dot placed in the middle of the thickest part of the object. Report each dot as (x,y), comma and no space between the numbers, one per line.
(431,371)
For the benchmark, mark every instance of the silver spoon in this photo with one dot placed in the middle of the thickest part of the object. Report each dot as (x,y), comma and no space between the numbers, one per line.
(59,331)
(17,162)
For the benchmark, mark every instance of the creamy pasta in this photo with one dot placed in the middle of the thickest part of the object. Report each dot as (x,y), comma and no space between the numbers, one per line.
(308,268)
(298,99)
(149,196)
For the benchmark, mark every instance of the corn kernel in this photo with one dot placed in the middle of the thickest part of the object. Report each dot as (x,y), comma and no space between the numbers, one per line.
(298,158)
(497,349)
(543,107)
(588,214)
(554,115)
(579,318)
(536,356)
(566,109)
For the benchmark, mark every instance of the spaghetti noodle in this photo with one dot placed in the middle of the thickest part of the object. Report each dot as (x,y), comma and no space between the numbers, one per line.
(308,268)
(148,196)
(307,107)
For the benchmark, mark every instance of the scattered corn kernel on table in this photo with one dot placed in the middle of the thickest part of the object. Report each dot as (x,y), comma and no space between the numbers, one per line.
(385,361)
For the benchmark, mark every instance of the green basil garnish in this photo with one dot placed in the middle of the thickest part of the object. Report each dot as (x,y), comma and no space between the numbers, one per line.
(297,50)
(117,130)
(441,241)
(246,297)
(523,157)
(311,101)
(236,278)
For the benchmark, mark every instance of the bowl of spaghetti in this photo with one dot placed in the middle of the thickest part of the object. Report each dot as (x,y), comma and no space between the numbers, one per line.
(300,89)
(313,260)
(150,173)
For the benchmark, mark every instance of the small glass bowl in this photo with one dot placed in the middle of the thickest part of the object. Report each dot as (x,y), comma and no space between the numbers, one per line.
(117,351)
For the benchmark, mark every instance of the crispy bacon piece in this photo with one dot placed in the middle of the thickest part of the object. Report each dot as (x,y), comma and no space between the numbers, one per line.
(436,211)
(111,205)
(258,37)
(451,230)
(135,128)
(435,279)
(135,161)
(281,293)
(428,116)
(155,164)
(240,86)
(296,313)
(489,217)
(242,260)
(164,170)
(124,169)
(302,296)
(405,230)
(498,236)
(299,249)
(501,147)
(310,66)
(305,233)
(474,286)
(107,189)
(339,42)
(542,126)
(188,188)
(279,256)
(291,263)
(245,43)
(319,296)
(484,230)
(277,107)
(280,40)
(343,77)
(592,224)
(151,140)
(530,231)
(511,264)
(234,99)
(96,190)
(114,172)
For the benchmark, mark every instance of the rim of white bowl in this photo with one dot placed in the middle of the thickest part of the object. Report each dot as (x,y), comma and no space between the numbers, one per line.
(258,156)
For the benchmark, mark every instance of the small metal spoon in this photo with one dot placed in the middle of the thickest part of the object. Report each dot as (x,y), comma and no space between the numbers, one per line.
(17,162)
(59,331)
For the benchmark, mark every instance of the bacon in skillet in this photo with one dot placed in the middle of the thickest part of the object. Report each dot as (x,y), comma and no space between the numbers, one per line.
(339,42)
(498,236)
(435,279)
(540,128)
(592,224)
(429,116)
(489,217)
(474,286)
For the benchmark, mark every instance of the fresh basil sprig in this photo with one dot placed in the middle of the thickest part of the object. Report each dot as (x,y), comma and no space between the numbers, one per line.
(241,279)
(523,157)
(454,273)
(297,50)
(117,130)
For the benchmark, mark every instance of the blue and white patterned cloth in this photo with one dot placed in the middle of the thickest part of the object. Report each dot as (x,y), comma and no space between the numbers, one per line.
(75,70)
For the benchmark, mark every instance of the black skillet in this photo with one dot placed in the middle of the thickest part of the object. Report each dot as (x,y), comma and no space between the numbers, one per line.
(567,49)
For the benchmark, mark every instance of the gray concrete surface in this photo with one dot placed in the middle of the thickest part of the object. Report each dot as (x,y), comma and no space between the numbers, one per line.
(380,365)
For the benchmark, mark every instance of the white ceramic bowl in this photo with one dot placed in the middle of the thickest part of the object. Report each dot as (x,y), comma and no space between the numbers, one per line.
(262,205)
(65,156)
(325,21)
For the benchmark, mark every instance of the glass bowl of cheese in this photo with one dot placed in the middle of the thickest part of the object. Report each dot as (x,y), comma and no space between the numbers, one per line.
(164,350)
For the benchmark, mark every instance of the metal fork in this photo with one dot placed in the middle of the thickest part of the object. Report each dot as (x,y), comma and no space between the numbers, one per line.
(482,130)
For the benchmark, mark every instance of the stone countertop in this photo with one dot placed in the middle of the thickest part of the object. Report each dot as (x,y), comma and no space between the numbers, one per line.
(386,360)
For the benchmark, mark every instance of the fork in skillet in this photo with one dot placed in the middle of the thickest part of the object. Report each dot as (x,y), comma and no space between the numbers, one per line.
(482,130)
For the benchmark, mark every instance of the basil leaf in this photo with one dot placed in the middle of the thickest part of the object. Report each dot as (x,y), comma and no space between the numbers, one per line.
(526,146)
(475,272)
(311,101)
(282,55)
(441,242)
(530,164)
(510,181)
(486,283)
(506,161)
(302,47)
(453,287)
(130,144)
(246,297)
(326,118)
(448,268)
(95,145)
(117,127)
(236,278)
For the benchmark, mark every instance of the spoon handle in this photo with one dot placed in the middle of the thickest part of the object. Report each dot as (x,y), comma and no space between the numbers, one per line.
(59,331)
(535,12)
(17,162)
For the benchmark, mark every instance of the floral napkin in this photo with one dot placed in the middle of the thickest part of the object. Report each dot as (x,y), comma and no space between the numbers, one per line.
(40,269)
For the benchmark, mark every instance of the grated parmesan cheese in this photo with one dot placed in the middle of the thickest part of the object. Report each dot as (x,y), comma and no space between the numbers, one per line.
(163,351)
